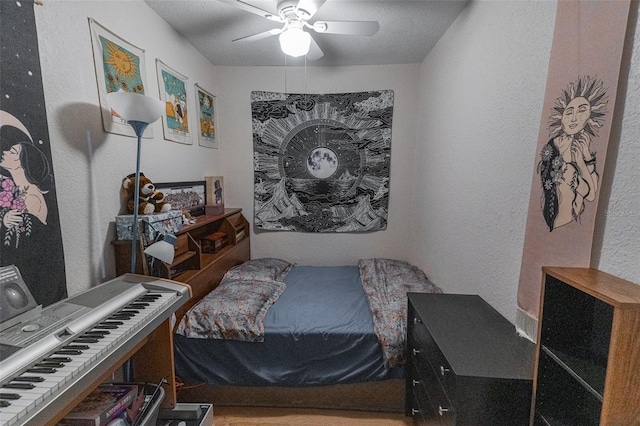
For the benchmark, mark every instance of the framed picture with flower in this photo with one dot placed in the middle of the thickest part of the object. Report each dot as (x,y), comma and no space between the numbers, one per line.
(207,118)
(173,92)
(119,66)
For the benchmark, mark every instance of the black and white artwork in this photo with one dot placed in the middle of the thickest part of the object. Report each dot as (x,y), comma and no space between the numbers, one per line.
(321,162)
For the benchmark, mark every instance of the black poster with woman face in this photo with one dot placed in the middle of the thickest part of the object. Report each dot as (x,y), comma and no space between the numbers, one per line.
(30,236)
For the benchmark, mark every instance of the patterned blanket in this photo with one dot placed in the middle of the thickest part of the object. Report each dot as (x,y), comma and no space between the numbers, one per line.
(237,307)
(386,283)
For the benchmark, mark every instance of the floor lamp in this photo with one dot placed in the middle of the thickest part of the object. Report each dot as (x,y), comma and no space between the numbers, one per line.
(139,111)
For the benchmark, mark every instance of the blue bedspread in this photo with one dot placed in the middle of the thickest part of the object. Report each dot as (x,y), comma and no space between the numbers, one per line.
(318,332)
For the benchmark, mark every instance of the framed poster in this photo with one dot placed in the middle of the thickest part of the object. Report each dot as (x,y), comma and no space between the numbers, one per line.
(206,118)
(215,189)
(119,66)
(189,196)
(173,92)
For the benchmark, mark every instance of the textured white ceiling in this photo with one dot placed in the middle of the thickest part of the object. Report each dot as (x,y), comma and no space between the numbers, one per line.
(408,30)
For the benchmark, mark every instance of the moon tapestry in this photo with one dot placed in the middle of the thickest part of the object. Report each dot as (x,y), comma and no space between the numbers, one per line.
(321,162)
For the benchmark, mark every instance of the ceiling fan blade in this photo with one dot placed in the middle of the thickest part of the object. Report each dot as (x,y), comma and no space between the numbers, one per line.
(310,6)
(365,28)
(253,9)
(315,52)
(259,36)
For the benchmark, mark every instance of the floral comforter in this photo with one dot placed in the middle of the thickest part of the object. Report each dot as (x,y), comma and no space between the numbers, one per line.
(386,283)
(237,307)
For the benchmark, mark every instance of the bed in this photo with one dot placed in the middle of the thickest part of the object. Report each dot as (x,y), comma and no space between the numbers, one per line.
(277,334)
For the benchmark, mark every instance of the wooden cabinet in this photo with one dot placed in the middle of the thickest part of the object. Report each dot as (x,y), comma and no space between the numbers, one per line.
(201,269)
(588,351)
(466,365)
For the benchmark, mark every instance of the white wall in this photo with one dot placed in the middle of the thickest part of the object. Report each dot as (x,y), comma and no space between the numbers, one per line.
(617,235)
(234,109)
(89,164)
(482,90)
(464,130)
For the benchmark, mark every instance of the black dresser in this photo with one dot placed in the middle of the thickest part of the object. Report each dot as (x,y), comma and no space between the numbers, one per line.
(466,365)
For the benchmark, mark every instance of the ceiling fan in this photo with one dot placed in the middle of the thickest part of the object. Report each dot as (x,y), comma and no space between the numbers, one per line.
(295,15)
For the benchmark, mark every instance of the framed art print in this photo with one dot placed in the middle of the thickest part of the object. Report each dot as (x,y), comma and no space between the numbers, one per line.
(119,66)
(173,92)
(185,196)
(215,189)
(206,118)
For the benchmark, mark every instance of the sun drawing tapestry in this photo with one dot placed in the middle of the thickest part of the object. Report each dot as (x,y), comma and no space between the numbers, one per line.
(321,162)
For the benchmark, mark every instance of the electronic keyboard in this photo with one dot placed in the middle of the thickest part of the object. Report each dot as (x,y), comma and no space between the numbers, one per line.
(49,355)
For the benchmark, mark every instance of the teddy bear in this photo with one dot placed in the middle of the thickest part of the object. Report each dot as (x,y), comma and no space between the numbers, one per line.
(151,201)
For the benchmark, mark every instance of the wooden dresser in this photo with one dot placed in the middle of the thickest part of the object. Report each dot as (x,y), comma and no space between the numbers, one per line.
(466,365)
(588,359)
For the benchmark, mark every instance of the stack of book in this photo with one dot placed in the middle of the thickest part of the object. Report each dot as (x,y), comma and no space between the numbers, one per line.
(106,403)
(214,242)
(240,234)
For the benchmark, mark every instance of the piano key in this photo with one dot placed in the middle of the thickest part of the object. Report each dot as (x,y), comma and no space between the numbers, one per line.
(86,340)
(106,326)
(4,395)
(49,364)
(4,403)
(68,352)
(138,305)
(77,347)
(44,370)
(116,323)
(58,359)
(18,386)
(94,334)
(32,379)
(121,317)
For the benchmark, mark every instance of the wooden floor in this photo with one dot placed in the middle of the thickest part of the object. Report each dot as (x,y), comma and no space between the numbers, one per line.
(254,416)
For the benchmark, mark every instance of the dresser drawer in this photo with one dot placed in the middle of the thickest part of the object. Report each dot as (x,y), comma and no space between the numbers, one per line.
(432,355)
(181,246)
(429,404)
(426,381)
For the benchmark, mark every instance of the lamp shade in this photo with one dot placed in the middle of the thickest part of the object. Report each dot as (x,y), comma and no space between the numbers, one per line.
(135,107)
(163,249)
(295,42)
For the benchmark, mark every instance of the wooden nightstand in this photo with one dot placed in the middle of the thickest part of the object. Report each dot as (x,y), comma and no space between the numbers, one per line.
(466,365)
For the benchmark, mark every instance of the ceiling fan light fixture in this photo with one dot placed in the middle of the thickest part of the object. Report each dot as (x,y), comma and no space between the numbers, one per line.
(295,42)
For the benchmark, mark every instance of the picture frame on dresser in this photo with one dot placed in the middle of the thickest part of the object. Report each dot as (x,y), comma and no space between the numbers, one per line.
(188,196)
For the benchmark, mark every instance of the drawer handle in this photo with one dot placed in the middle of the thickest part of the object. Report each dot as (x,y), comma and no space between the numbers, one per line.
(417,320)
(415,382)
(442,410)
(414,411)
(443,370)
(415,351)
